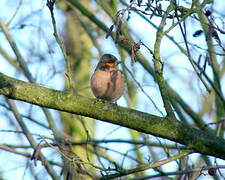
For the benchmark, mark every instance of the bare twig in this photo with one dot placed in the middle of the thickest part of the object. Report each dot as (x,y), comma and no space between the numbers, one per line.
(50,4)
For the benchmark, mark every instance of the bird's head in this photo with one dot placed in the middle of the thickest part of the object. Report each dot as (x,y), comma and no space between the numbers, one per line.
(108,61)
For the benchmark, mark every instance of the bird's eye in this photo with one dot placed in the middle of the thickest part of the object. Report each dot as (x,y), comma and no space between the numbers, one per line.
(111,61)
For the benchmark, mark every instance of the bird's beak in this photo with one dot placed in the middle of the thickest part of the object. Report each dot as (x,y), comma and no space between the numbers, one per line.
(118,62)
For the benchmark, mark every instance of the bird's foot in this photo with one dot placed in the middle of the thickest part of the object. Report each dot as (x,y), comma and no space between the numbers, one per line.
(105,101)
(99,100)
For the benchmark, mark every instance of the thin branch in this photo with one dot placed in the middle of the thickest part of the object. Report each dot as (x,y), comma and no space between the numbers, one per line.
(145,167)
(139,85)
(15,48)
(183,31)
(182,172)
(95,142)
(28,155)
(50,4)
(15,13)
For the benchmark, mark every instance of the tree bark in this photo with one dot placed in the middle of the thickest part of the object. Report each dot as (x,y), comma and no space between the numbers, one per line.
(68,101)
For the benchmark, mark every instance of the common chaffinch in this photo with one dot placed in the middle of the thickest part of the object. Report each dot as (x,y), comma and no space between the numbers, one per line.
(107,82)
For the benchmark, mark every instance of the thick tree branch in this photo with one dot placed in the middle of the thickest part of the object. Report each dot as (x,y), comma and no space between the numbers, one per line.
(68,101)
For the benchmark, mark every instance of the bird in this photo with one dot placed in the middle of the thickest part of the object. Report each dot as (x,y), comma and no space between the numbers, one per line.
(107,81)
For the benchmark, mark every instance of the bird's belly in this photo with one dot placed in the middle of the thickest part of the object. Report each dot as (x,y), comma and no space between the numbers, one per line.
(107,85)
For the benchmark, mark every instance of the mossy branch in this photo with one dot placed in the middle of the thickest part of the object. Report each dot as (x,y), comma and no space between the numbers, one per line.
(68,101)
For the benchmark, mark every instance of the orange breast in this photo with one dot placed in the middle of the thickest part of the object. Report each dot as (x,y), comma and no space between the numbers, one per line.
(107,85)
